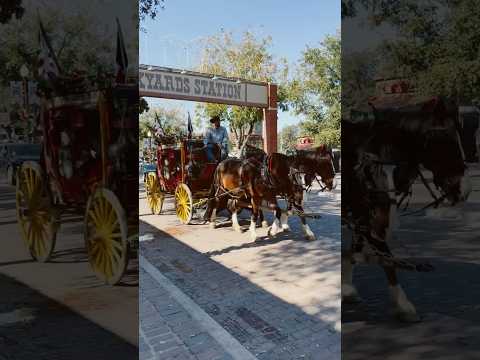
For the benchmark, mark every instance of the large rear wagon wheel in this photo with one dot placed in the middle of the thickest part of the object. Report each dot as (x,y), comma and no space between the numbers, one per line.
(155,196)
(184,203)
(106,236)
(35,213)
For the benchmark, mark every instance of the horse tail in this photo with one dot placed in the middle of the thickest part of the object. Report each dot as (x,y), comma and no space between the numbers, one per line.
(211,196)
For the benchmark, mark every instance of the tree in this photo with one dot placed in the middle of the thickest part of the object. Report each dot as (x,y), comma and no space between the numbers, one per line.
(149,8)
(168,123)
(437,43)
(288,138)
(248,59)
(315,91)
(10,9)
(143,106)
(358,80)
(78,46)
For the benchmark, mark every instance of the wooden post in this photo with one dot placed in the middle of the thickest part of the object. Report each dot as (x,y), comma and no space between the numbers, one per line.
(270,121)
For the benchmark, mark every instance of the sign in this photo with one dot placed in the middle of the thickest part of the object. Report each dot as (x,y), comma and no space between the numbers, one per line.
(393,86)
(171,84)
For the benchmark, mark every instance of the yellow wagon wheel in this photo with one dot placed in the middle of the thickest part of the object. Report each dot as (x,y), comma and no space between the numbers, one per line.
(155,195)
(35,213)
(106,236)
(183,203)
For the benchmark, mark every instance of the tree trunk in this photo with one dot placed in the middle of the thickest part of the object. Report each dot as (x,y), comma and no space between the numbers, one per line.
(244,142)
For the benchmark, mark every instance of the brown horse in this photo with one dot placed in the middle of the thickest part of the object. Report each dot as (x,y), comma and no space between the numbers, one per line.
(284,173)
(399,141)
(279,173)
(313,163)
(241,180)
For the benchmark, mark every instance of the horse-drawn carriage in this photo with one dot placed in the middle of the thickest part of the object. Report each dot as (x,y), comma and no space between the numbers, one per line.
(87,163)
(184,172)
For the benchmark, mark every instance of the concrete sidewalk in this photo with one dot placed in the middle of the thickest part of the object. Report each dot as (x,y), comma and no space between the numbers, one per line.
(168,331)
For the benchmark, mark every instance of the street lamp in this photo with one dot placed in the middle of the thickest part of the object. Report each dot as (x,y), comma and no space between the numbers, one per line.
(24,73)
(149,134)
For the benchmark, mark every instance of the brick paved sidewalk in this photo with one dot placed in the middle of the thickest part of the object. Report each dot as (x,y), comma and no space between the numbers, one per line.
(167,331)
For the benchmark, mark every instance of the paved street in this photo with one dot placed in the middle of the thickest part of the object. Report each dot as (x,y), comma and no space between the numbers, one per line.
(278,298)
(446,299)
(59,310)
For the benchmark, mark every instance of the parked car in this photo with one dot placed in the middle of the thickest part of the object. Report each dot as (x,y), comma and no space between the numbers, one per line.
(146,168)
(13,155)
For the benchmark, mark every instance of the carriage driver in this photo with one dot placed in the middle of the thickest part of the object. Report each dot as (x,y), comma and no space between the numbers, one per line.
(216,135)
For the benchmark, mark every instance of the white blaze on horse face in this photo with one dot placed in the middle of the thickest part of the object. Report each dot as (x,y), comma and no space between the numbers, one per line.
(403,307)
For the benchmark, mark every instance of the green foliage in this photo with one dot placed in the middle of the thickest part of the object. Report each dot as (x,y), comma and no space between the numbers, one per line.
(358,74)
(143,106)
(11,9)
(438,44)
(248,59)
(169,123)
(149,8)
(288,138)
(315,91)
(79,47)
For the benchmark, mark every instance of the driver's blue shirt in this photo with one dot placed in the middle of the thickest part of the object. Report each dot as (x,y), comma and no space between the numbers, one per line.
(217,136)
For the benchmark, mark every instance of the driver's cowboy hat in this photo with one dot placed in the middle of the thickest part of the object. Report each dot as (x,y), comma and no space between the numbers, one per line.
(215,119)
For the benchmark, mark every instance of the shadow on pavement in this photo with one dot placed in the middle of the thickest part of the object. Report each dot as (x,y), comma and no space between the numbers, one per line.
(268,326)
(446,299)
(33,326)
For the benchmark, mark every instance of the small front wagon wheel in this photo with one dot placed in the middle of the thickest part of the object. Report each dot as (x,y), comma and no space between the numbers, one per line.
(106,234)
(155,195)
(35,213)
(184,203)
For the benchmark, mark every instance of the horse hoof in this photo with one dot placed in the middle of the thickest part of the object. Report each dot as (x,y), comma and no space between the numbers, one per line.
(237,229)
(264,224)
(351,299)
(406,317)
(269,232)
(310,237)
(212,225)
(350,295)
(285,227)
(253,237)
(424,267)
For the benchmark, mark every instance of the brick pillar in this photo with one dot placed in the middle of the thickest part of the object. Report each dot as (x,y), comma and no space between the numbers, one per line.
(270,121)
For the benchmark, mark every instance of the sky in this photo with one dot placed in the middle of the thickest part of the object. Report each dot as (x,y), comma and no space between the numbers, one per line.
(174,38)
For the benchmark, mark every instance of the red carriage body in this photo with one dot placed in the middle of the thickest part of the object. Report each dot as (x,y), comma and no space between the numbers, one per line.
(89,142)
(182,171)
